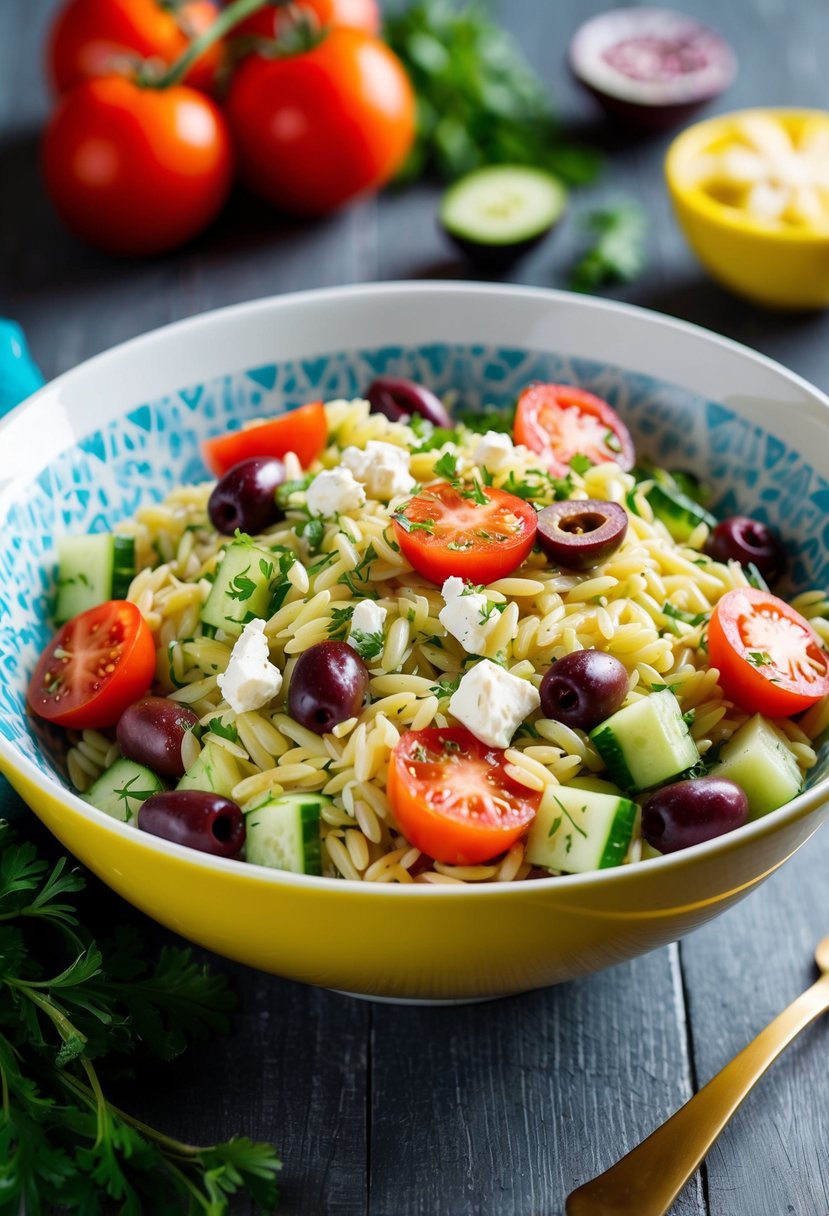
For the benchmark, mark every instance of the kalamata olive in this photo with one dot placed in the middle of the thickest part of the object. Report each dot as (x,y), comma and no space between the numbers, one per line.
(329,684)
(245,498)
(583,688)
(195,818)
(396,397)
(689,812)
(151,731)
(581,533)
(747,540)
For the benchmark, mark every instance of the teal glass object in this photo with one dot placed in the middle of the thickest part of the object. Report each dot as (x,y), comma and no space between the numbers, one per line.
(19,374)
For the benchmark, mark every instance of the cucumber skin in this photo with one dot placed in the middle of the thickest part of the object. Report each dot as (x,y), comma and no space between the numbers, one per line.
(613,752)
(307,807)
(680,514)
(592,814)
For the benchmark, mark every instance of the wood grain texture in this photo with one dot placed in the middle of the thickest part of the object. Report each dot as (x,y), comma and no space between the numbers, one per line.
(501,1107)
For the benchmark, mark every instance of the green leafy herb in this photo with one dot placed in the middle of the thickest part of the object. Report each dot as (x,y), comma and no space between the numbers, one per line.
(447,685)
(447,467)
(289,488)
(63,1013)
(759,658)
(280,584)
(367,645)
(488,419)
(360,574)
(679,614)
(566,813)
(340,622)
(127,794)
(479,101)
(617,254)
(408,525)
(313,530)
(225,730)
(241,587)
(581,463)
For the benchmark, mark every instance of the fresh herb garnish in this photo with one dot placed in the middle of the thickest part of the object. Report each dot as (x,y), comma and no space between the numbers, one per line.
(566,813)
(340,621)
(447,685)
(360,574)
(63,1014)
(241,587)
(617,254)
(447,467)
(679,614)
(368,645)
(759,658)
(581,463)
(409,525)
(225,730)
(479,101)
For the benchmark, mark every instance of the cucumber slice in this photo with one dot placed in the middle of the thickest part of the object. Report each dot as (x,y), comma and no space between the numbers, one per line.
(679,513)
(578,830)
(214,771)
(757,758)
(242,588)
(122,788)
(500,212)
(645,743)
(284,833)
(91,570)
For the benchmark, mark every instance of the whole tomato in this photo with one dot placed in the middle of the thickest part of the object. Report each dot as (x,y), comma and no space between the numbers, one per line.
(318,128)
(92,37)
(137,170)
(349,14)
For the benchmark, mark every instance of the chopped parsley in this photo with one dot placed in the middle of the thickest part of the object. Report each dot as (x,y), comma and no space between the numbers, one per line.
(581,463)
(368,645)
(225,730)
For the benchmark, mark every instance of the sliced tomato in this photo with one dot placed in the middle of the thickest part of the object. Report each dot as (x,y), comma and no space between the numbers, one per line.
(446,530)
(95,666)
(560,422)
(303,431)
(769,658)
(453,798)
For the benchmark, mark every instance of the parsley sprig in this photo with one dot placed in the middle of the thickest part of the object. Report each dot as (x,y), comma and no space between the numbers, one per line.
(617,252)
(63,1144)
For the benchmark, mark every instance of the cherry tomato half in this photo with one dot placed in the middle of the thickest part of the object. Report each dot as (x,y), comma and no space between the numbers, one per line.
(303,431)
(445,530)
(91,38)
(347,14)
(452,797)
(769,658)
(559,422)
(316,129)
(137,170)
(96,665)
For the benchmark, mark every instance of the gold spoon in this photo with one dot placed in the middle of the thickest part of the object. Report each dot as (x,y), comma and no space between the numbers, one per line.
(649,1178)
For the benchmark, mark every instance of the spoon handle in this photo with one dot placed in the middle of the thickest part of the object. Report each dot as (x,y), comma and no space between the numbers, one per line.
(649,1178)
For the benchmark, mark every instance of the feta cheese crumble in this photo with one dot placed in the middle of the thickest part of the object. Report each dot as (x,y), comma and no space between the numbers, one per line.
(383,468)
(492,703)
(494,449)
(367,636)
(468,616)
(251,680)
(334,491)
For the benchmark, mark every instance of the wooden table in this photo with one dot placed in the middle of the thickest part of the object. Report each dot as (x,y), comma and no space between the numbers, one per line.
(504,1107)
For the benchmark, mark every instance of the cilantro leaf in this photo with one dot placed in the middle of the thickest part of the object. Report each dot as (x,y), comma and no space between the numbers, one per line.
(617,254)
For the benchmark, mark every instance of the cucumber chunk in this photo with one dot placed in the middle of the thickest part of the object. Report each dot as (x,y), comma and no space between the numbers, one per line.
(645,743)
(679,513)
(120,789)
(91,570)
(499,212)
(284,833)
(758,760)
(578,830)
(242,588)
(215,771)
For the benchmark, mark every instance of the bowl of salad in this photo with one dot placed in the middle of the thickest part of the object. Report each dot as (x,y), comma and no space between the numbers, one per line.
(423,641)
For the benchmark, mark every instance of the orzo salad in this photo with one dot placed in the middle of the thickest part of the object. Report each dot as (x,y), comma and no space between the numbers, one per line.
(396,646)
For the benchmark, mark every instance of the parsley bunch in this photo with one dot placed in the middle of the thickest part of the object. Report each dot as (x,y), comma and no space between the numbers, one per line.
(478,100)
(67,1009)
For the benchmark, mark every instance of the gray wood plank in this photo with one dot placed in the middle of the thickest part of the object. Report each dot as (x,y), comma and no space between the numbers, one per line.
(739,972)
(506,1107)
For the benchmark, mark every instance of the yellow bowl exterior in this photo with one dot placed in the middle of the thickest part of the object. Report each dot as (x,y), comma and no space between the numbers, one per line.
(461,943)
(778,268)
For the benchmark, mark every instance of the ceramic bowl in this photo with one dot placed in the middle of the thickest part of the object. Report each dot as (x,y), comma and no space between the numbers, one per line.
(767,263)
(122,429)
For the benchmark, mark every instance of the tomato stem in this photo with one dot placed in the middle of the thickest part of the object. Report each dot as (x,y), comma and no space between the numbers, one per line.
(227,20)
